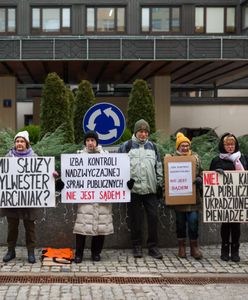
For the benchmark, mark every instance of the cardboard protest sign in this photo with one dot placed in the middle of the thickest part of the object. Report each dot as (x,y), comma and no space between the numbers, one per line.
(93,178)
(179,174)
(225,197)
(27,182)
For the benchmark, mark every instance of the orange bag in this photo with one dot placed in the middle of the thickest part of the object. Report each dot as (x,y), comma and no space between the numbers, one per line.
(60,255)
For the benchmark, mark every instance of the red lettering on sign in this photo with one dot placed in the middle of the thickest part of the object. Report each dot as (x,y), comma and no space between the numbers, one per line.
(87,195)
(70,196)
(211,179)
(110,195)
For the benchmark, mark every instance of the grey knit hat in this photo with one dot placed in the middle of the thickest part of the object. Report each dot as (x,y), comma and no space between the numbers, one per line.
(91,134)
(141,125)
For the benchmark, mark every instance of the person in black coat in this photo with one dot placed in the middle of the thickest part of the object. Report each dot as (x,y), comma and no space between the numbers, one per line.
(229,159)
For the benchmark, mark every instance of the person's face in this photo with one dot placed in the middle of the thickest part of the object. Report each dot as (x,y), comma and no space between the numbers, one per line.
(142,135)
(90,144)
(184,148)
(229,146)
(20,144)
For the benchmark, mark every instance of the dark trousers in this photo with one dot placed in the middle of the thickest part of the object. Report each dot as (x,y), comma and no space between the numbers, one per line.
(230,230)
(29,226)
(191,219)
(148,202)
(96,244)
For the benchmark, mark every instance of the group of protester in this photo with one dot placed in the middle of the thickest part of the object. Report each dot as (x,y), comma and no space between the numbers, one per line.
(146,185)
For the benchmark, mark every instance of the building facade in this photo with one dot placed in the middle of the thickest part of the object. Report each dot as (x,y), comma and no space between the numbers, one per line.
(186,50)
(193,54)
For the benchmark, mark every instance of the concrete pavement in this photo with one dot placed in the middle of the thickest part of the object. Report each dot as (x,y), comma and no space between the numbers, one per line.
(173,278)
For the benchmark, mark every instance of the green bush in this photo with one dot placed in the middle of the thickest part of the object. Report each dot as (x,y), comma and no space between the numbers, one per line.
(125,136)
(34,133)
(52,144)
(56,104)
(6,141)
(140,105)
(83,101)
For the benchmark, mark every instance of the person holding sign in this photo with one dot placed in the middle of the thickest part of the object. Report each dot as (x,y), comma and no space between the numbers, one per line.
(188,214)
(21,148)
(229,159)
(146,188)
(92,219)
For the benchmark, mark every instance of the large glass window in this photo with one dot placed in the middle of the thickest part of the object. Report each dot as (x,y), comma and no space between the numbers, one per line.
(160,19)
(105,19)
(7,20)
(199,20)
(230,19)
(245,17)
(51,20)
(215,20)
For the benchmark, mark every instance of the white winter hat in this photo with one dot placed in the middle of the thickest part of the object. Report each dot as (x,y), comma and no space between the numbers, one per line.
(23,134)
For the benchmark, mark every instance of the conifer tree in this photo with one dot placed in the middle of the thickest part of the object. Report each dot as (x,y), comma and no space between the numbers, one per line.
(54,104)
(83,101)
(140,105)
(69,128)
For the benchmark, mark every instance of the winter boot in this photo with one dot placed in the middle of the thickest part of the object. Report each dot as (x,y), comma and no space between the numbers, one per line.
(235,252)
(194,250)
(155,253)
(182,248)
(137,251)
(225,251)
(80,241)
(9,255)
(31,256)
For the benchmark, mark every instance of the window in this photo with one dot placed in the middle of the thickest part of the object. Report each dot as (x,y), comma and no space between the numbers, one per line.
(28,120)
(245,17)
(105,19)
(215,20)
(7,20)
(160,19)
(51,20)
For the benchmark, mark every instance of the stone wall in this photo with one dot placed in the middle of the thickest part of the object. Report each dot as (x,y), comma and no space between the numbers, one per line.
(55,225)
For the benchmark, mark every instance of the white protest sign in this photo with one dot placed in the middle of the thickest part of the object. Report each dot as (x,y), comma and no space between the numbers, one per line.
(225,197)
(27,182)
(180,178)
(92,178)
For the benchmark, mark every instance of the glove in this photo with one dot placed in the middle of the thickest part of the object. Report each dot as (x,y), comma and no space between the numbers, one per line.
(55,174)
(198,181)
(220,171)
(159,192)
(130,183)
(59,185)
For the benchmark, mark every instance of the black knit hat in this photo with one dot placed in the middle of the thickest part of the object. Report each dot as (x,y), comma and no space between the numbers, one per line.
(221,143)
(91,134)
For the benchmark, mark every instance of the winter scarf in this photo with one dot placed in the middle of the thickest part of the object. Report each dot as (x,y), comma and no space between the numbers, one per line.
(14,152)
(233,157)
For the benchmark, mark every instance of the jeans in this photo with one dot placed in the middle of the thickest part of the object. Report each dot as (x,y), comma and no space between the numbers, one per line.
(148,202)
(192,219)
(230,230)
(13,224)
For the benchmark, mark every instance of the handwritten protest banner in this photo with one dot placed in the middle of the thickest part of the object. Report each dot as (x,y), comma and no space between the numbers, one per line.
(179,174)
(27,182)
(225,197)
(92,178)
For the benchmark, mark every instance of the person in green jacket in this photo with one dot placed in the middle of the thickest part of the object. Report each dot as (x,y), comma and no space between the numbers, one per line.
(146,188)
